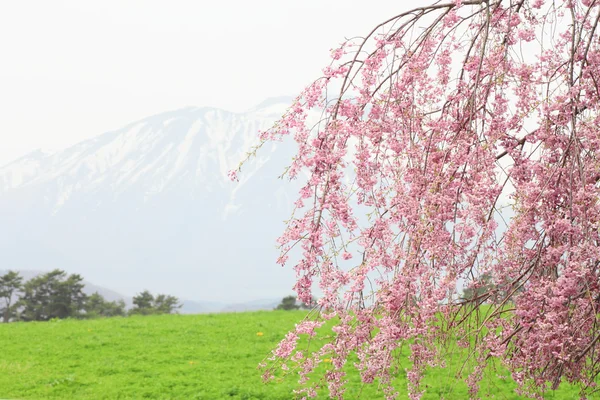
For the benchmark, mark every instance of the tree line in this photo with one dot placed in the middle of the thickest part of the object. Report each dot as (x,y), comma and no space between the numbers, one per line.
(58,295)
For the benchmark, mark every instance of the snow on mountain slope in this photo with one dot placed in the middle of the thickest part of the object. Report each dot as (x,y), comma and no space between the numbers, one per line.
(151,206)
(196,144)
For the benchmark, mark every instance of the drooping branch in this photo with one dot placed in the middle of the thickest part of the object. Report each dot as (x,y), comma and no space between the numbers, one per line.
(397,225)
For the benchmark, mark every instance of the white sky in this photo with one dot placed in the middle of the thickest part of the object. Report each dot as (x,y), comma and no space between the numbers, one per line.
(70,70)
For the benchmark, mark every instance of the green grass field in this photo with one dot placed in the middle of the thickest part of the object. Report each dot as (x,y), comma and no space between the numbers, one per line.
(178,357)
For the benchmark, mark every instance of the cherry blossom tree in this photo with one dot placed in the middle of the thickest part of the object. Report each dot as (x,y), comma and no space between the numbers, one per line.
(456,141)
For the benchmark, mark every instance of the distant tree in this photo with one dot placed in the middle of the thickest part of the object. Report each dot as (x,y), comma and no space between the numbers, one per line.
(166,304)
(143,304)
(52,295)
(97,306)
(11,283)
(479,291)
(310,305)
(288,303)
(146,303)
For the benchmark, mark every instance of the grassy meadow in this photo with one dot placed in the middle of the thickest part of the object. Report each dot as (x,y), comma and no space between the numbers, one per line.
(212,356)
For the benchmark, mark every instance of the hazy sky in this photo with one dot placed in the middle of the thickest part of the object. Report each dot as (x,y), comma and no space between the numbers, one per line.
(71,70)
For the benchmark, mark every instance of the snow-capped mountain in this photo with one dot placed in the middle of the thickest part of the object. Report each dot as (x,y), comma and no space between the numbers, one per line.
(151,206)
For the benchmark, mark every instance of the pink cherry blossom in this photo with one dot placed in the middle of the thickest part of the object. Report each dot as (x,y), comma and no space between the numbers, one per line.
(457,153)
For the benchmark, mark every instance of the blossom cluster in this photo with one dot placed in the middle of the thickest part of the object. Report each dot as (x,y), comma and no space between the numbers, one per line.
(458,141)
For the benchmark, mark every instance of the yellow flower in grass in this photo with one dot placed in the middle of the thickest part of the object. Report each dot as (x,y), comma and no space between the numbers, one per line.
(327,360)
(259,333)
(193,362)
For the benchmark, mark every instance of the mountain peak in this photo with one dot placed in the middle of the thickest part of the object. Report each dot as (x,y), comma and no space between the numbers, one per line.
(155,151)
(150,206)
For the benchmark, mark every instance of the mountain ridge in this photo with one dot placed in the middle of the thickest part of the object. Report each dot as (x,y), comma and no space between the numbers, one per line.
(153,200)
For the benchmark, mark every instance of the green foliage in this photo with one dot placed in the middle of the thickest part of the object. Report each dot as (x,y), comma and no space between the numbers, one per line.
(479,288)
(165,304)
(145,303)
(97,306)
(290,303)
(309,306)
(58,295)
(143,300)
(11,284)
(52,295)
(190,357)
